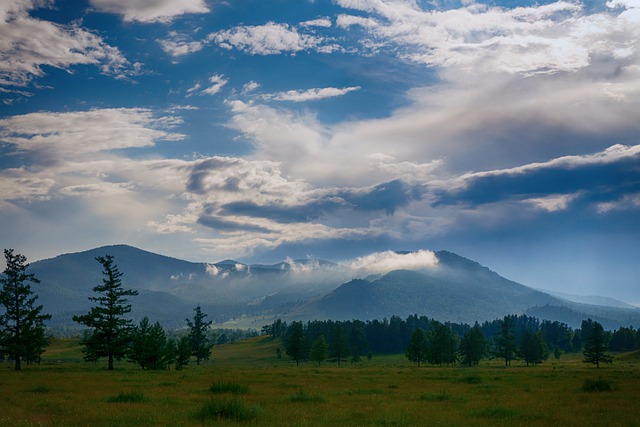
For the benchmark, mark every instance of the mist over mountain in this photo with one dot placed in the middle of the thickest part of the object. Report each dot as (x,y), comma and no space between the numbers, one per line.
(440,285)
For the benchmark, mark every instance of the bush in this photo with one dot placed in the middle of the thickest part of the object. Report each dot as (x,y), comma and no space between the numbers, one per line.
(228,387)
(228,409)
(441,396)
(304,396)
(134,397)
(596,385)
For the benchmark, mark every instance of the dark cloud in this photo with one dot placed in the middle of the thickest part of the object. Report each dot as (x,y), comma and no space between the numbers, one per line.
(385,197)
(599,182)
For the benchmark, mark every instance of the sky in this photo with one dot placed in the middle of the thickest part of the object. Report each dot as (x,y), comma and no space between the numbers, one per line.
(505,131)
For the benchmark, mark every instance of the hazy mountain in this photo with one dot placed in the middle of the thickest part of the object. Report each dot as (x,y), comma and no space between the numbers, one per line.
(455,289)
(170,288)
(591,299)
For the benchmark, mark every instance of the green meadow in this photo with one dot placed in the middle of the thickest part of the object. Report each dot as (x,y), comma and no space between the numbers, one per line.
(246,384)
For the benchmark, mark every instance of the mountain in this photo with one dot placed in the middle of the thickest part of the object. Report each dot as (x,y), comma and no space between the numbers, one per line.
(455,289)
(170,288)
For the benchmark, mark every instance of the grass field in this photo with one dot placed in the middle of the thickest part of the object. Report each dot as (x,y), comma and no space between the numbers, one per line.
(245,384)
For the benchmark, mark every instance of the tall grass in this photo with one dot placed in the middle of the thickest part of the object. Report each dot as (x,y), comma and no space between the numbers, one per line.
(227,409)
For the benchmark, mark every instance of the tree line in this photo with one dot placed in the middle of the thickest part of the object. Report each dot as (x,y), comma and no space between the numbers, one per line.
(426,340)
(110,332)
(113,335)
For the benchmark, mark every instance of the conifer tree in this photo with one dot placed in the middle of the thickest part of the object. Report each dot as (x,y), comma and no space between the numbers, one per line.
(294,342)
(442,344)
(473,346)
(417,352)
(22,324)
(506,341)
(199,336)
(339,346)
(595,345)
(110,330)
(149,346)
(183,352)
(319,350)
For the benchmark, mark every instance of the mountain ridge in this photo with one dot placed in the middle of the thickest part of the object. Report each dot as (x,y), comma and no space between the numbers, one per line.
(455,289)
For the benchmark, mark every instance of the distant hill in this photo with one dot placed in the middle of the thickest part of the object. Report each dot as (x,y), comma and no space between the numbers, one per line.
(456,289)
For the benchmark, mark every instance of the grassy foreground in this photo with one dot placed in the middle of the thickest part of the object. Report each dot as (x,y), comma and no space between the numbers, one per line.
(245,384)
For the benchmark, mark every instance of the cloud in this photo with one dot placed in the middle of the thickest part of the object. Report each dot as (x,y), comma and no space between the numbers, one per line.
(550,185)
(57,136)
(218,82)
(179,45)
(384,262)
(538,39)
(309,94)
(267,39)
(27,44)
(147,11)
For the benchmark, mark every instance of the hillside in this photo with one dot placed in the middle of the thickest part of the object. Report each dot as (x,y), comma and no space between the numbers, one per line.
(456,289)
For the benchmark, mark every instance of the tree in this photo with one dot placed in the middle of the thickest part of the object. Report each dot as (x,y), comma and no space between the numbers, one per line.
(506,341)
(183,352)
(339,346)
(110,329)
(595,345)
(199,336)
(473,346)
(319,350)
(358,343)
(417,351)
(22,324)
(533,349)
(294,342)
(149,345)
(441,344)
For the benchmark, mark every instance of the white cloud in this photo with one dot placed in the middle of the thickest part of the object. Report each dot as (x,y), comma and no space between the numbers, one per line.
(384,262)
(309,94)
(218,82)
(178,44)
(552,203)
(57,136)
(319,22)
(150,10)
(27,44)
(268,39)
(250,87)
(531,40)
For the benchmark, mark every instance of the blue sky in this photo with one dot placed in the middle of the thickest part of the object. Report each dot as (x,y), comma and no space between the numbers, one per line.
(508,132)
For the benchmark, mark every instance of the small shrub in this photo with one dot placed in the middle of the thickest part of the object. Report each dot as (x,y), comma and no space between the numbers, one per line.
(590,385)
(227,409)
(306,397)
(437,397)
(496,411)
(134,397)
(472,380)
(222,387)
(41,389)
(365,391)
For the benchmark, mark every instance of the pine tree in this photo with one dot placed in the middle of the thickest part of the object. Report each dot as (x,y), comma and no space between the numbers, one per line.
(294,342)
(319,350)
(417,352)
(506,341)
(183,352)
(149,345)
(110,330)
(199,336)
(442,344)
(339,347)
(595,345)
(473,346)
(533,349)
(22,324)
